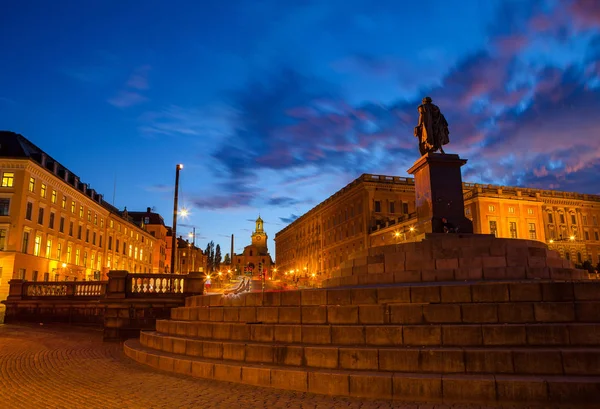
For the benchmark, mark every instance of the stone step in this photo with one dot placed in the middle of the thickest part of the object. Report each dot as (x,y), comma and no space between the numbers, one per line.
(371,274)
(403,313)
(430,388)
(469,360)
(574,334)
(450,292)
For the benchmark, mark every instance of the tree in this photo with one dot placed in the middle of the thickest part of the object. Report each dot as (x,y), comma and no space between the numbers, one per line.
(227,259)
(217,258)
(210,256)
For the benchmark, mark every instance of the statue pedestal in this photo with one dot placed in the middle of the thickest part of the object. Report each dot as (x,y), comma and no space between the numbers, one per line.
(439,193)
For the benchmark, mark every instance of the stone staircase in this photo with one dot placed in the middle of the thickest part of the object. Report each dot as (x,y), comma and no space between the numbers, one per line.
(507,341)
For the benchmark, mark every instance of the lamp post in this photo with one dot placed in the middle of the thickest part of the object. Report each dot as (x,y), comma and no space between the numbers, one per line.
(174,237)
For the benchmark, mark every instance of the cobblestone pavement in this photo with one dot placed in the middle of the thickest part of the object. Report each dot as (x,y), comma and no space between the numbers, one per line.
(55,366)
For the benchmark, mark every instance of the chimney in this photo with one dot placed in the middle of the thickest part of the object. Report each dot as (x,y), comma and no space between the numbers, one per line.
(66,175)
(92,193)
(76,182)
(148,210)
(55,169)
(99,197)
(43,160)
(84,188)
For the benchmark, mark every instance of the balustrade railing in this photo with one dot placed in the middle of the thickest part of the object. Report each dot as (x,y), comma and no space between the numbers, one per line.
(90,288)
(47,289)
(155,284)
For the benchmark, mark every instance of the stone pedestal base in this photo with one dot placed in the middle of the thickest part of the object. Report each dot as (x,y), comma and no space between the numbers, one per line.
(439,193)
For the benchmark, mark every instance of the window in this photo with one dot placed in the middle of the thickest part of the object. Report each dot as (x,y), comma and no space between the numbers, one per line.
(586,235)
(56,277)
(61,226)
(37,245)
(142,254)
(568,256)
(73,205)
(79,231)
(41,215)
(95,219)
(585,221)
(100,241)
(511,209)
(64,202)
(532,232)
(71,229)
(136,253)
(29,210)
(562,218)
(34,275)
(573,219)
(31,184)
(46,277)
(596,235)
(8,179)
(21,274)
(81,212)
(146,220)
(51,221)
(392,207)
(25,244)
(111,224)
(85,258)
(89,215)
(53,197)
(3,233)
(108,259)
(493,228)
(377,206)
(48,248)
(594,220)
(529,211)
(101,223)
(4,206)
(87,235)
(579,259)
(405,208)
(467,211)
(94,239)
(117,246)
(110,243)
(130,250)
(43,190)
(58,251)
(491,208)
(77,256)
(512,228)
(550,218)
(69,253)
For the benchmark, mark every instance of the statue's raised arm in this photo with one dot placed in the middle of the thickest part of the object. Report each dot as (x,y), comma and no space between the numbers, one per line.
(432,129)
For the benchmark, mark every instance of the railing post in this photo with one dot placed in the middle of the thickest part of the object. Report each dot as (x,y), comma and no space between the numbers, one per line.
(117,284)
(15,292)
(194,284)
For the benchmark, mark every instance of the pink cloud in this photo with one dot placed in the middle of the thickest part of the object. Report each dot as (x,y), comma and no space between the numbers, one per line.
(139,79)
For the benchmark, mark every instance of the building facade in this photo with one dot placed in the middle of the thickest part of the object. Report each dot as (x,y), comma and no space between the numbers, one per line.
(154,224)
(54,227)
(255,258)
(374,210)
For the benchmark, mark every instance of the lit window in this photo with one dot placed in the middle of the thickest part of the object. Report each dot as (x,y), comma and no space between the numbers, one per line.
(58,251)
(95,219)
(64,202)
(31,184)
(491,208)
(529,211)
(493,228)
(53,197)
(69,253)
(77,256)
(48,248)
(37,245)
(43,190)
(89,216)
(73,207)
(532,232)
(81,212)
(511,209)
(8,179)
(512,227)
(3,233)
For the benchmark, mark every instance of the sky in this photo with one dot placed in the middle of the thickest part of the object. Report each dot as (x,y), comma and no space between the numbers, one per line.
(272,106)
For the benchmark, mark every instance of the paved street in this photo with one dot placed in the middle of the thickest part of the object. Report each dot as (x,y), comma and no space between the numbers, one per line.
(54,366)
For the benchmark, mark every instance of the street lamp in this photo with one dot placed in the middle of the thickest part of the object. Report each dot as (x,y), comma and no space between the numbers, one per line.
(174,238)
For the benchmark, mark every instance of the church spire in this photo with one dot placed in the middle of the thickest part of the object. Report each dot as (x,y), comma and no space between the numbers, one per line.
(259,225)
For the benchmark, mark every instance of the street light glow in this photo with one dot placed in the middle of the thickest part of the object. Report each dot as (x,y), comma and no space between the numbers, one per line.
(412,228)
(184,212)
(572,238)
(180,166)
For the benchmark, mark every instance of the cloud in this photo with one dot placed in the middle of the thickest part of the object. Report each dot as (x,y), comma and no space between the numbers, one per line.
(290,219)
(130,95)
(283,201)
(159,188)
(125,99)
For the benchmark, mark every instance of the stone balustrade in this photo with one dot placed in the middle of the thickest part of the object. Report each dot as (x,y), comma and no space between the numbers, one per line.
(124,304)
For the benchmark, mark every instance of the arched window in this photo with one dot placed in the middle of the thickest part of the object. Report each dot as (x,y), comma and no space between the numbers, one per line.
(250,253)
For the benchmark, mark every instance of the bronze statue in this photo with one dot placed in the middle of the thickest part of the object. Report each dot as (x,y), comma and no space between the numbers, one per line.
(432,129)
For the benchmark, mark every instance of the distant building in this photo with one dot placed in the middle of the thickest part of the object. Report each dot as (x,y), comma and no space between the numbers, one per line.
(154,224)
(189,257)
(55,227)
(256,258)
(374,210)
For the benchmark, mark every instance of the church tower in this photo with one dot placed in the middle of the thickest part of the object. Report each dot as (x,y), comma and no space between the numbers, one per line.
(259,237)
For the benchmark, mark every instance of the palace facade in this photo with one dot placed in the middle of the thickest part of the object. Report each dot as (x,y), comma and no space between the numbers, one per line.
(55,227)
(374,210)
